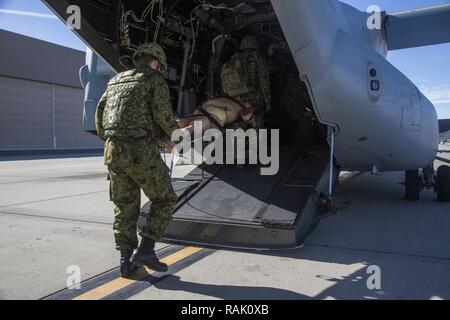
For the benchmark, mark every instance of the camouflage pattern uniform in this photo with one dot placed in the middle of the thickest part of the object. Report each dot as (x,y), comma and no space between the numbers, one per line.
(134,114)
(259,78)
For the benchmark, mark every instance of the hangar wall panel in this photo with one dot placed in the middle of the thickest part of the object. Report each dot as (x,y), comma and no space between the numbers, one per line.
(36,115)
(69,120)
(26,114)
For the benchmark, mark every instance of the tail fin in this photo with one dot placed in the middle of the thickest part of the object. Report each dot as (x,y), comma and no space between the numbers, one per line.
(417,28)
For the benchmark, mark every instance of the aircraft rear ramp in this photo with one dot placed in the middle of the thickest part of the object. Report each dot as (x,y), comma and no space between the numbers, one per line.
(227,206)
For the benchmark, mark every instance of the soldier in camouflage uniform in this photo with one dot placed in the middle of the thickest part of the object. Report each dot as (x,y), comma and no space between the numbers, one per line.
(134,114)
(246,78)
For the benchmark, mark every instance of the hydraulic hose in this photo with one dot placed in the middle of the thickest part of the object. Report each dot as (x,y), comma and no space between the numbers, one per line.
(163,30)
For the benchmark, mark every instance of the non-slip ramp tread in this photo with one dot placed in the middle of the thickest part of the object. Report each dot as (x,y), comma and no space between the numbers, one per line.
(238,194)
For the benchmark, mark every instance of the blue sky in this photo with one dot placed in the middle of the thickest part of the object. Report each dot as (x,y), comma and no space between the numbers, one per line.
(428,67)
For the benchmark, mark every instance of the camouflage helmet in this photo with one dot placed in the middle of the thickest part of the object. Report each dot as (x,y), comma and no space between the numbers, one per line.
(152,50)
(249,43)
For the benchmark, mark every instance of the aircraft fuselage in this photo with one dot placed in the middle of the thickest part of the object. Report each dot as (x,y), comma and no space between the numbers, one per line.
(382,118)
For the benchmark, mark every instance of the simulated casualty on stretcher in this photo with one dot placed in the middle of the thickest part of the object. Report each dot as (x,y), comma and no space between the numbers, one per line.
(218,113)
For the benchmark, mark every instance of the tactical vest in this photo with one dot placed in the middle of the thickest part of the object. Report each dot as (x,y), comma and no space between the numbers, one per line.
(239,75)
(127,113)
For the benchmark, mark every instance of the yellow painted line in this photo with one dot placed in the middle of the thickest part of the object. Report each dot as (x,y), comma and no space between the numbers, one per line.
(120,283)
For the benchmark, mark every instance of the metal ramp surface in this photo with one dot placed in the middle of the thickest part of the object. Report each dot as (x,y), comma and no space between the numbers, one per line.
(227,206)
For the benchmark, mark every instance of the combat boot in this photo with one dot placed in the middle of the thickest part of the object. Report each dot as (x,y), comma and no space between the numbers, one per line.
(146,256)
(126,266)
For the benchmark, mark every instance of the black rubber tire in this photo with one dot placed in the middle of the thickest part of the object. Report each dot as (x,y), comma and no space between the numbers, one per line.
(412,185)
(443,184)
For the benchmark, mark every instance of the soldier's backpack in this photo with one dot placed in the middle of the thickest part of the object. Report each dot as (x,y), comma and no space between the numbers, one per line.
(235,76)
(127,114)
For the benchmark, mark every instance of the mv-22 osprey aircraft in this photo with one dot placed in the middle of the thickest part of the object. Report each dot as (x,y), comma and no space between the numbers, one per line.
(332,87)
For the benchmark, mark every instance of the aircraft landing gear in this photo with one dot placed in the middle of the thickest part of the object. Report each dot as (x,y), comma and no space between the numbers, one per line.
(413,185)
(418,180)
(443,184)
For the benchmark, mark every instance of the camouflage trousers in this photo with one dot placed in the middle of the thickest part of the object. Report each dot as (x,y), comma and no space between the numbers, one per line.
(134,165)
